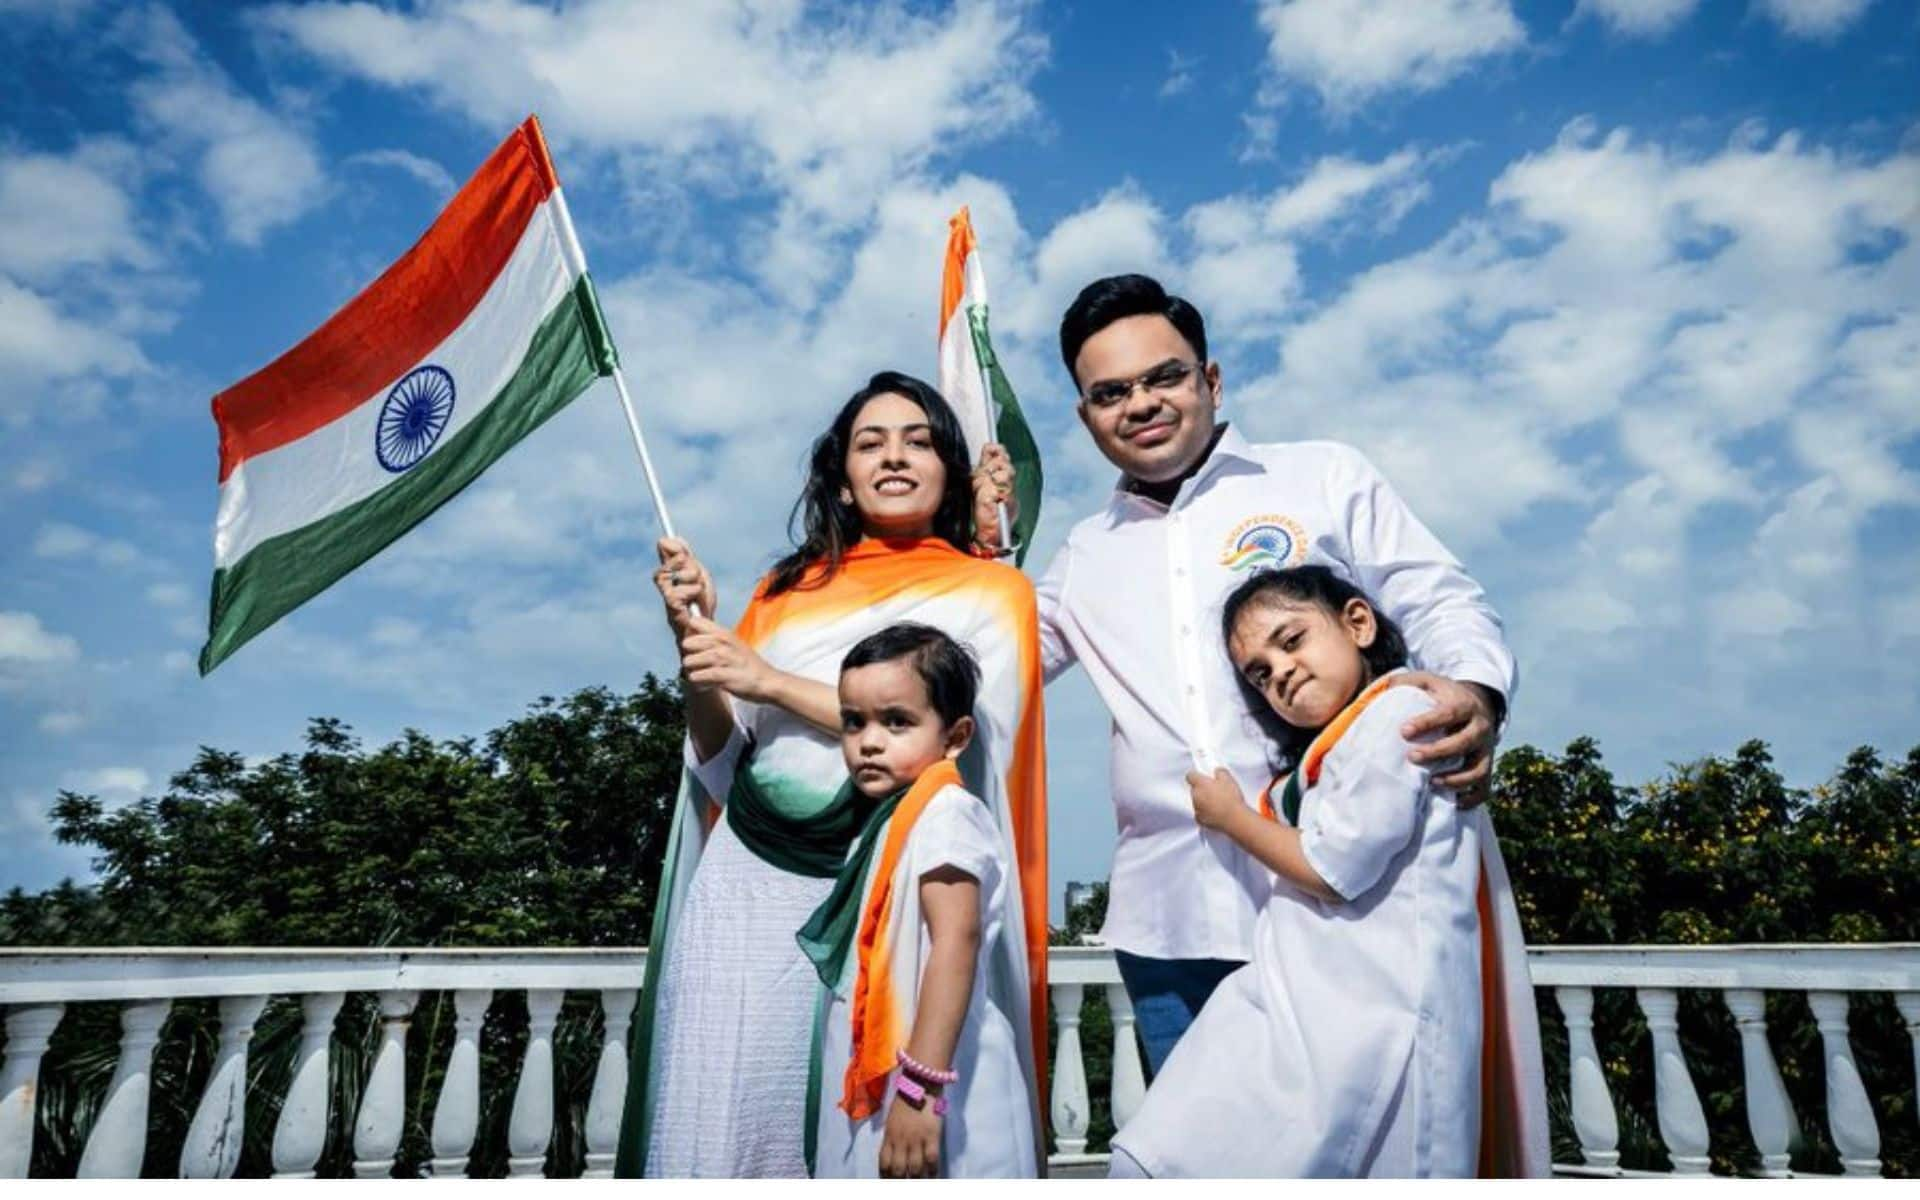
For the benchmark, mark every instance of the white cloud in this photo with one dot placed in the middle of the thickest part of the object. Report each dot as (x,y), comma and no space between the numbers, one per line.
(824,110)
(58,212)
(1180,74)
(24,640)
(60,722)
(124,782)
(38,342)
(61,541)
(1354,51)
(260,169)
(168,595)
(1817,20)
(431,175)
(1639,18)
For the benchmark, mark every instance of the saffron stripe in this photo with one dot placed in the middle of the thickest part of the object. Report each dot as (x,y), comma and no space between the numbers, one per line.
(284,572)
(405,313)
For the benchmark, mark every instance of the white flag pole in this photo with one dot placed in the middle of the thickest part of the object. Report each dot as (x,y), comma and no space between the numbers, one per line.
(577,259)
(977,284)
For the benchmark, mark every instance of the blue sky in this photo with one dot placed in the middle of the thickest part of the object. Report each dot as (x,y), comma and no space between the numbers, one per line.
(1622,294)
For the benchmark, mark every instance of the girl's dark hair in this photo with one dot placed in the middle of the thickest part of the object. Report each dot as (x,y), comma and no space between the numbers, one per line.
(1319,586)
(830,525)
(947,668)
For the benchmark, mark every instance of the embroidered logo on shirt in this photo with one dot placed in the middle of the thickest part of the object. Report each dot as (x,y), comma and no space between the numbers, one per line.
(1268,540)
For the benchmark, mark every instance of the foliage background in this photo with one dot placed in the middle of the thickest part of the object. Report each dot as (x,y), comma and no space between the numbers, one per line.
(549,831)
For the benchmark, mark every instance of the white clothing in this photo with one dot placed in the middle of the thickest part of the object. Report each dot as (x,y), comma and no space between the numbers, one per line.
(1350,1045)
(1135,597)
(735,993)
(989,1130)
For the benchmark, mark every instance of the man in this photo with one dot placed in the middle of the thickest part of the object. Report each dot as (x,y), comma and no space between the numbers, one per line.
(1135,597)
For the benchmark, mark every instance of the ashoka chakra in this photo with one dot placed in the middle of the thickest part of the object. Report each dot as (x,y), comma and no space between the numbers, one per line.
(415,414)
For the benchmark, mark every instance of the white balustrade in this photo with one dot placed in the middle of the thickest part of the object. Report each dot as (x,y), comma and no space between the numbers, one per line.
(1129,1078)
(1849,1112)
(118,1143)
(300,1136)
(377,1128)
(28,1031)
(1071,1107)
(1683,1124)
(219,1128)
(605,1106)
(35,985)
(530,1130)
(1770,1116)
(1594,1121)
(456,1117)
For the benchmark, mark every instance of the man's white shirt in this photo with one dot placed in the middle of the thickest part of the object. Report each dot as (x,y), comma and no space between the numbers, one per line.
(1135,597)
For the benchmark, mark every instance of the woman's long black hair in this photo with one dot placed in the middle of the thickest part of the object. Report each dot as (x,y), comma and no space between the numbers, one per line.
(830,525)
(1319,586)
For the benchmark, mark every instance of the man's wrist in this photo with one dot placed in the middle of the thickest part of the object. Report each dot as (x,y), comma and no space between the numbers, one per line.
(1495,702)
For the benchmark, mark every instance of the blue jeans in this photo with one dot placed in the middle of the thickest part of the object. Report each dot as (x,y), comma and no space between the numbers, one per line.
(1167,994)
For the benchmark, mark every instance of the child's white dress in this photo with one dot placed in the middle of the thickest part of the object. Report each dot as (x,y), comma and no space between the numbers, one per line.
(1351,1045)
(990,1127)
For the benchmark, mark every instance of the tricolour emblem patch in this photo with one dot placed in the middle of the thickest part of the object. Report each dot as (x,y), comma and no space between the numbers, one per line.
(1268,540)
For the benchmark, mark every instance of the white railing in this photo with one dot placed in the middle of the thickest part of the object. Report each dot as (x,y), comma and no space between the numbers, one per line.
(36,987)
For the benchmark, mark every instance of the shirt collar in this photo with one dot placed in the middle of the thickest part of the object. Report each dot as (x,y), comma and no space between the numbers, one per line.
(1232,452)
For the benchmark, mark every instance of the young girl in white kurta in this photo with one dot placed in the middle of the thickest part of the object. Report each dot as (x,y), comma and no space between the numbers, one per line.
(919,1071)
(1353,1044)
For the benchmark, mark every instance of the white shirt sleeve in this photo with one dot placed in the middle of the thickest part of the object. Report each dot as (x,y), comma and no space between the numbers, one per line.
(1370,801)
(1056,654)
(1450,628)
(957,830)
(715,775)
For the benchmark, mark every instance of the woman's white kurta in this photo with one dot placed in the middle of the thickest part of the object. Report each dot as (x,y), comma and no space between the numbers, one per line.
(1350,1045)
(989,1128)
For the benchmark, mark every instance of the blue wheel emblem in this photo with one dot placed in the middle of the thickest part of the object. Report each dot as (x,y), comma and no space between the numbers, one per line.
(415,414)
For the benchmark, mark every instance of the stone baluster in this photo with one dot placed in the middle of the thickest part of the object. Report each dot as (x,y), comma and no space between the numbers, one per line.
(383,1105)
(1129,1078)
(212,1149)
(300,1136)
(28,1031)
(1909,1006)
(530,1129)
(609,1097)
(456,1115)
(1769,1112)
(1594,1121)
(1070,1106)
(1849,1112)
(1682,1122)
(118,1143)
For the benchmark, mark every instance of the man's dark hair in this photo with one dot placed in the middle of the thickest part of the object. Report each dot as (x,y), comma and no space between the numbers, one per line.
(944,665)
(1319,586)
(1117,297)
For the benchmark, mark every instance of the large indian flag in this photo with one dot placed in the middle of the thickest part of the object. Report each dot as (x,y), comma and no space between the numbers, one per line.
(477,335)
(972,381)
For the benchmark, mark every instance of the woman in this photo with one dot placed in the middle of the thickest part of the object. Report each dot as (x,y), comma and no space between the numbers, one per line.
(721,1045)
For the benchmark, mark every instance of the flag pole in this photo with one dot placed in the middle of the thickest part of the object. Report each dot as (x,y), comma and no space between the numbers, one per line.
(577,259)
(986,391)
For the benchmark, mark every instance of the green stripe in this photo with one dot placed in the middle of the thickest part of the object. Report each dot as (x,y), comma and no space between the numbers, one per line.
(1012,432)
(570,349)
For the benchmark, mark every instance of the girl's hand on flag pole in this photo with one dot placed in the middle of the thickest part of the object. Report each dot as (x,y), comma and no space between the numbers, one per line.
(713,656)
(992,487)
(682,581)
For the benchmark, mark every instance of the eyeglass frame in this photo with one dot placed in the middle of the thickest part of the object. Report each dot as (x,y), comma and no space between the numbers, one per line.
(1108,403)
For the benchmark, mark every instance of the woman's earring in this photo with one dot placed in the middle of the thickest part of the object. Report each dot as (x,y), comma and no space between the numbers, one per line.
(846,497)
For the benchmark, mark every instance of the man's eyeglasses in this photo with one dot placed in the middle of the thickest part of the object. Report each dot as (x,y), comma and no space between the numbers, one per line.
(1163,380)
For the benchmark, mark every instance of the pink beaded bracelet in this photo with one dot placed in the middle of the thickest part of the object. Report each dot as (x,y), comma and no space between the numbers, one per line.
(922,1072)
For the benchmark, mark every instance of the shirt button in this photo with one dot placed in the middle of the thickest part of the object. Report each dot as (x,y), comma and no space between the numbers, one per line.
(1186,630)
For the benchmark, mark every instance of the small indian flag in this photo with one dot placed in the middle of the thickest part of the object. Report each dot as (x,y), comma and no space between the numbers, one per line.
(477,335)
(971,379)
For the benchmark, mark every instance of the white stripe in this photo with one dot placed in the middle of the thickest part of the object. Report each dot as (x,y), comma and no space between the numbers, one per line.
(960,380)
(334,466)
